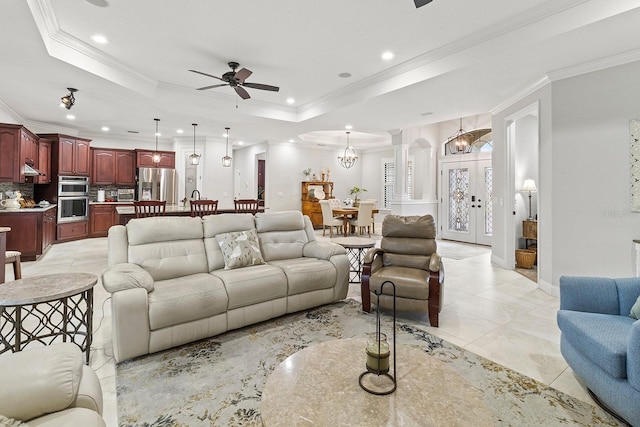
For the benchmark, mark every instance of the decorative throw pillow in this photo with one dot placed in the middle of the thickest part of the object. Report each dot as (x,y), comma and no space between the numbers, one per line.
(10,422)
(240,249)
(635,310)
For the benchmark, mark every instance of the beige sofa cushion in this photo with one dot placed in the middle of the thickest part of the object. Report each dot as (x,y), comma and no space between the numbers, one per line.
(307,274)
(282,234)
(167,247)
(126,276)
(185,299)
(252,285)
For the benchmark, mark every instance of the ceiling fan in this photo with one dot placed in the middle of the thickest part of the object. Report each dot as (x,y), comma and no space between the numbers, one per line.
(236,79)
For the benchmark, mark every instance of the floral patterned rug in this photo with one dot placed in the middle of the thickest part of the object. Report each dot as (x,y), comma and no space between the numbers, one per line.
(218,381)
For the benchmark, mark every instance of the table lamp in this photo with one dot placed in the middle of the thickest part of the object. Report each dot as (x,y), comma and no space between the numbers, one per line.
(530,186)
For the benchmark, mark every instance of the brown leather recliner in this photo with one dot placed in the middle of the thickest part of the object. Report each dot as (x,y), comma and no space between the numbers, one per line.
(407,257)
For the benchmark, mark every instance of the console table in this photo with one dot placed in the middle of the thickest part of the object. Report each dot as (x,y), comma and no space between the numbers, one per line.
(43,309)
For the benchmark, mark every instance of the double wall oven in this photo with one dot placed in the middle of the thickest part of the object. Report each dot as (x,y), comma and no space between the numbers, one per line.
(73,198)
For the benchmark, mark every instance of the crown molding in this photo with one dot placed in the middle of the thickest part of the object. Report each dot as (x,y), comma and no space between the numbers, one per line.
(596,65)
(65,47)
(520,95)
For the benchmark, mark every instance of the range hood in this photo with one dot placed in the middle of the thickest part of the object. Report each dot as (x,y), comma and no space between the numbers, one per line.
(30,171)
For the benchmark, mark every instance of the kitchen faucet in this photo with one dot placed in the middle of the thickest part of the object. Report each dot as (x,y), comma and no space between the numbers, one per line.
(195,191)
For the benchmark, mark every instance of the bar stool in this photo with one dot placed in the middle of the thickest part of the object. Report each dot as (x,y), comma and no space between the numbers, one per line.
(13,257)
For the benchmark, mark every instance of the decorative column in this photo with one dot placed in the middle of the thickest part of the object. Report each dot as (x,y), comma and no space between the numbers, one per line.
(401,158)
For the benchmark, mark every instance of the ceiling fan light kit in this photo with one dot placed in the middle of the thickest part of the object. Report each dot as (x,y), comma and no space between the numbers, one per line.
(226,160)
(347,157)
(236,79)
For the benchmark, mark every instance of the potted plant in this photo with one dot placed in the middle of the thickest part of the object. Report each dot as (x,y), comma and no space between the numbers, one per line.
(306,173)
(355,191)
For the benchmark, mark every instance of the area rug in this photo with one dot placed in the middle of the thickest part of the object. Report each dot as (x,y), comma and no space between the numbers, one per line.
(218,381)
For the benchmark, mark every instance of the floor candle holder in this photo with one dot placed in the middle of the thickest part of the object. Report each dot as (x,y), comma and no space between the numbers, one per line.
(377,350)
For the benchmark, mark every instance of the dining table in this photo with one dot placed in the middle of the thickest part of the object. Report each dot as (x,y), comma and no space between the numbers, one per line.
(348,213)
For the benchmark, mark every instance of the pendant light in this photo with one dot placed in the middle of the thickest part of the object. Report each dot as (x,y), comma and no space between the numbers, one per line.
(226,160)
(194,158)
(347,158)
(156,155)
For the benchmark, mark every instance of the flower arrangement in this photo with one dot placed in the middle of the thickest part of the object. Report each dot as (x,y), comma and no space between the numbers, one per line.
(307,172)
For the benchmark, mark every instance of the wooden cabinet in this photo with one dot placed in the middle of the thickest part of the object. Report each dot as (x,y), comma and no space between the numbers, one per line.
(72,230)
(101,218)
(18,146)
(69,155)
(530,232)
(49,228)
(44,162)
(310,204)
(125,167)
(144,159)
(31,232)
(109,167)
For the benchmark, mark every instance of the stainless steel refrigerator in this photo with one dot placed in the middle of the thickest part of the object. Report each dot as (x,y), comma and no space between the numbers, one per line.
(157,184)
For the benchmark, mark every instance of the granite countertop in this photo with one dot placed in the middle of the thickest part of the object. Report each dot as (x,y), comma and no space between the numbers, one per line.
(25,210)
(95,202)
(124,210)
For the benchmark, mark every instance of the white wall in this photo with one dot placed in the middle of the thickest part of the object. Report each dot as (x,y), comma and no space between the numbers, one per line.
(525,167)
(593,225)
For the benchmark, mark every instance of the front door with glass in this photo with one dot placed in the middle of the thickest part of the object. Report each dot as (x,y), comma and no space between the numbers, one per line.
(467,201)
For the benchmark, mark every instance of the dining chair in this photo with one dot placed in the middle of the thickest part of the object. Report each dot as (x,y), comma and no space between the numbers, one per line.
(147,208)
(246,206)
(328,219)
(203,207)
(13,257)
(364,218)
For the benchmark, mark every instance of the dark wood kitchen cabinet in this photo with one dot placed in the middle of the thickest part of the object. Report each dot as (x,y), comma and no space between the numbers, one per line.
(101,218)
(69,155)
(44,162)
(31,232)
(18,146)
(144,159)
(112,167)
(72,231)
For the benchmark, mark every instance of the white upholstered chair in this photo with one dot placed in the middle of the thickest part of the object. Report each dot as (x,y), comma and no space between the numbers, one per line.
(365,217)
(328,220)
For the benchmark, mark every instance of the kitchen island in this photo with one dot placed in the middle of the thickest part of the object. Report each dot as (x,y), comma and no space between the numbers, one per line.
(33,230)
(125,213)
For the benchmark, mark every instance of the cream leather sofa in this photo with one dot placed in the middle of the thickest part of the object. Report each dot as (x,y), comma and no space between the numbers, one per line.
(170,285)
(50,386)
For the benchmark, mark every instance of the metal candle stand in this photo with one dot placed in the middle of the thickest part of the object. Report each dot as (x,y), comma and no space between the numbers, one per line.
(379,371)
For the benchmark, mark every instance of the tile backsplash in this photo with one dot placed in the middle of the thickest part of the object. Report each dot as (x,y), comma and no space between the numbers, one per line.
(25,189)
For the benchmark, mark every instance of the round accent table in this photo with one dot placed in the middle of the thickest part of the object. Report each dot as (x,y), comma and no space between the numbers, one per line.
(318,386)
(356,248)
(41,309)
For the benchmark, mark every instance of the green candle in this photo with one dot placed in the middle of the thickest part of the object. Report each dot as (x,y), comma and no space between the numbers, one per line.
(377,354)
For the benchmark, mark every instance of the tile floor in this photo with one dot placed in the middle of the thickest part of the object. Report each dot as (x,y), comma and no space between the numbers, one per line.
(496,313)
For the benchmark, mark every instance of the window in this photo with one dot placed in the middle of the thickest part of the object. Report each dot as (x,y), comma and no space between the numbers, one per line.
(389,180)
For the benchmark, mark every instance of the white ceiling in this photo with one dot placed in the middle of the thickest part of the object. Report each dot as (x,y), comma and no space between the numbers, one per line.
(453,58)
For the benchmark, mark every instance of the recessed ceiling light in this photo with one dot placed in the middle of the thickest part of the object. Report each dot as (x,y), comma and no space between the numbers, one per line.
(348,127)
(387,56)
(290,100)
(291,140)
(344,75)
(71,116)
(158,134)
(105,128)
(99,38)
(179,131)
(240,142)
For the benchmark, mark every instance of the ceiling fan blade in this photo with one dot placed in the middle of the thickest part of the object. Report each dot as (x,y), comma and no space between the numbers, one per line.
(261,86)
(243,93)
(243,74)
(208,75)
(212,86)
(420,3)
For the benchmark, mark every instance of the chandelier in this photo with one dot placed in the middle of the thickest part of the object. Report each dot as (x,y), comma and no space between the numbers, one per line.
(347,157)
(459,142)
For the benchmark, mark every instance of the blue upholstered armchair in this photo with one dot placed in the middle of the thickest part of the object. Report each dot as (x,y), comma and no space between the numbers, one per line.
(601,342)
